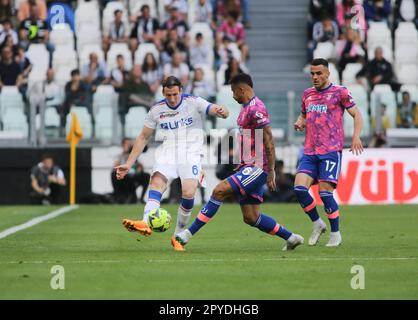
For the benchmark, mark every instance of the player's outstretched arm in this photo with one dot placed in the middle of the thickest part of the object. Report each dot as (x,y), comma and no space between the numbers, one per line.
(300,122)
(271,157)
(219,111)
(140,143)
(356,145)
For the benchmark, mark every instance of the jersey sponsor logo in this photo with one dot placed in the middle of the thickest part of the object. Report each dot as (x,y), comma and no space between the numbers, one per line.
(319,108)
(168,114)
(239,177)
(177,124)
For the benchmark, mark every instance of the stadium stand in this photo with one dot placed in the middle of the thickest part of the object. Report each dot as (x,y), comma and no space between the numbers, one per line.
(92,20)
(134,121)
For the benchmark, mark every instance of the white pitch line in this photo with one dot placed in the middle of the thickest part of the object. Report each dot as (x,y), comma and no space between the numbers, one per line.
(214,260)
(37,220)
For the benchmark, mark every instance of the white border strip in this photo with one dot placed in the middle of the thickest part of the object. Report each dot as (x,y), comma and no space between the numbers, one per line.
(37,220)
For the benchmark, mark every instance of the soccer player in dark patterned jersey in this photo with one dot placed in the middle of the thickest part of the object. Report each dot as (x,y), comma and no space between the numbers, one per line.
(323,106)
(257,167)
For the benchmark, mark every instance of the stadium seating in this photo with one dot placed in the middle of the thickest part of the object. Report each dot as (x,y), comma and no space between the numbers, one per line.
(413,92)
(64,57)
(405,54)
(89,34)
(135,6)
(52,122)
(90,48)
(378,35)
(387,52)
(114,51)
(104,123)
(87,13)
(406,33)
(52,118)
(349,124)
(205,30)
(333,76)
(62,36)
(39,57)
(225,98)
(142,51)
(209,125)
(220,76)
(208,73)
(325,50)
(385,95)
(134,121)
(104,105)
(10,98)
(406,44)
(349,73)
(159,94)
(63,75)
(359,94)
(408,73)
(108,14)
(162,16)
(14,120)
(104,98)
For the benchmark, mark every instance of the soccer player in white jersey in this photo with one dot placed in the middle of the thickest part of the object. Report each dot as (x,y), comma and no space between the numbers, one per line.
(178,121)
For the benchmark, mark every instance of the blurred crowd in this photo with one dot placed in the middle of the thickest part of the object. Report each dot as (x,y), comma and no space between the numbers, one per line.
(362,40)
(191,58)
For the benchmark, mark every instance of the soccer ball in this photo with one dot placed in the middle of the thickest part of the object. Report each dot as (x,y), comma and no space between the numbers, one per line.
(159,220)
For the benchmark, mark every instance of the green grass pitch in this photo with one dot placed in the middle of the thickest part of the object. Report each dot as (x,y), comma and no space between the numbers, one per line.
(225,260)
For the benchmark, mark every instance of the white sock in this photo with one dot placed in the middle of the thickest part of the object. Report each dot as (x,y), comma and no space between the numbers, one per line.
(319,222)
(151,205)
(291,238)
(183,218)
(185,235)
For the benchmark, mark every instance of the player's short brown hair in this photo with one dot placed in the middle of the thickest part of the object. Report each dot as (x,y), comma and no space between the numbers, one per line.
(170,82)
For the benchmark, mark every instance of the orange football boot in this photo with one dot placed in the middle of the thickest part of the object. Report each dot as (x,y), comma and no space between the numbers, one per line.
(177,245)
(137,226)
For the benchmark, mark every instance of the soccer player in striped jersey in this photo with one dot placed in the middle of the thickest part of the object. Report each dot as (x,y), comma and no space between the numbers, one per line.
(178,120)
(257,157)
(323,107)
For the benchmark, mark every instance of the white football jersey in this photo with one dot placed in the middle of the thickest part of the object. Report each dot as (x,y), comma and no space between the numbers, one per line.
(181,128)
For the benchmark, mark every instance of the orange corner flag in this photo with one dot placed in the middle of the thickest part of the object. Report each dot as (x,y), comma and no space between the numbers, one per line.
(76,133)
(73,137)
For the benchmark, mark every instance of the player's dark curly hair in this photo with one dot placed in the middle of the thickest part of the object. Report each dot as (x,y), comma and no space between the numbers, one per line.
(241,78)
